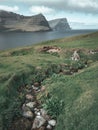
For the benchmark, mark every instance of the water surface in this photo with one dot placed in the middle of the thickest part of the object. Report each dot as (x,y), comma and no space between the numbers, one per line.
(18,39)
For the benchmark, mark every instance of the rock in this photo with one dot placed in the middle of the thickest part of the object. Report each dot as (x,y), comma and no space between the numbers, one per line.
(93,51)
(75,56)
(54,50)
(41,128)
(36,109)
(38,114)
(28,114)
(31,105)
(44,114)
(35,88)
(50,49)
(29,97)
(49,127)
(25,108)
(38,122)
(52,122)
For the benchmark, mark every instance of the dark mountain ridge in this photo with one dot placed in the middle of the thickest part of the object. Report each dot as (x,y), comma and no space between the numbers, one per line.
(10,21)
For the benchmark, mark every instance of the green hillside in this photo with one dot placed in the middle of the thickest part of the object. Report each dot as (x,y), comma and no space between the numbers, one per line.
(78,91)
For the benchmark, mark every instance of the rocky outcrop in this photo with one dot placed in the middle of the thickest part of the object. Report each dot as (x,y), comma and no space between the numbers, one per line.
(10,21)
(59,24)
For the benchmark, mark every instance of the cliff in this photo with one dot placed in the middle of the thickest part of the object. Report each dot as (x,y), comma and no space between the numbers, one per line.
(10,21)
(59,24)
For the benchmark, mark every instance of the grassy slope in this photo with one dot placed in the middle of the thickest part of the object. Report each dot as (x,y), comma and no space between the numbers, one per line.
(79,92)
(80,95)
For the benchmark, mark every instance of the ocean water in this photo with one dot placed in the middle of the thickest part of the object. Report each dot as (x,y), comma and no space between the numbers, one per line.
(10,40)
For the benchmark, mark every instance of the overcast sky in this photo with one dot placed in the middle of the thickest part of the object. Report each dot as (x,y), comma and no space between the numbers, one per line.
(80,13)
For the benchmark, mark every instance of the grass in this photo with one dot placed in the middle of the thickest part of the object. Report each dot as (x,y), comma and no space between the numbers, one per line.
(80,95)
(79,92)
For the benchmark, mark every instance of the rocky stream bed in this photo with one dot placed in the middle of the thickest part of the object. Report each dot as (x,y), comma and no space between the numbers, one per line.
(34,116)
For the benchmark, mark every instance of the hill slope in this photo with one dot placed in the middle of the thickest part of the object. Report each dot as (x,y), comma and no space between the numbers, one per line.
(10,21)
(49,63)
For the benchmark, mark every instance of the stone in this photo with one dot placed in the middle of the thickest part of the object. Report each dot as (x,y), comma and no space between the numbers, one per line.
(31,105)
(49,127)
(25,108)
(44,114)
(36,109)
(29,97)
(35,88)
(38,122)
(92,52)
(52,122)
(38,114)
(28,114)
(75,56)
(41,128)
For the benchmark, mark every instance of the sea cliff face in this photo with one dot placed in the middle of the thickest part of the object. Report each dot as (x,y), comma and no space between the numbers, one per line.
(59,24)
(10,21)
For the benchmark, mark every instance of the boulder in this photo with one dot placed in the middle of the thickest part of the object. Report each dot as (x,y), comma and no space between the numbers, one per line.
(31,105)
(41,128)
(29,97)
(52,122)
(25,108)
(49,127)
(44,114)
(35,88)
(38,122)
(28,114)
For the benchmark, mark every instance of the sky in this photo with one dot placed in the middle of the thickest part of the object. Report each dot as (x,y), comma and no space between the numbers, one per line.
(81,14)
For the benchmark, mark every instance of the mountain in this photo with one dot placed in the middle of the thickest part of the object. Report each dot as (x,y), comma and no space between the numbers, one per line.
(59,24)
(10,21)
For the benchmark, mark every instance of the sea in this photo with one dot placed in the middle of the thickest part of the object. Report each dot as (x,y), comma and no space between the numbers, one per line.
(10,40)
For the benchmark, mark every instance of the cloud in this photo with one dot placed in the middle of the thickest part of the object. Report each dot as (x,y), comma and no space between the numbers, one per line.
(41,9)
(84,6)
(9,8)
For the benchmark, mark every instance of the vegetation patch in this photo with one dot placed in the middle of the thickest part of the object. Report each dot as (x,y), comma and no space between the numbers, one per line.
(71,94)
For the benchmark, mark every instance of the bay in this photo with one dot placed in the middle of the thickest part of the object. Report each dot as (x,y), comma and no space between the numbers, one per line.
(10,40)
